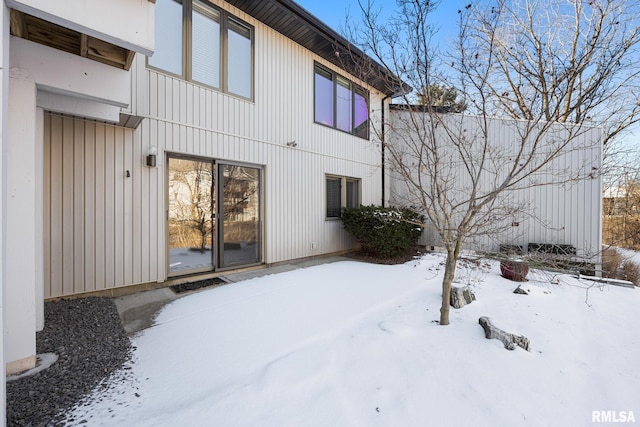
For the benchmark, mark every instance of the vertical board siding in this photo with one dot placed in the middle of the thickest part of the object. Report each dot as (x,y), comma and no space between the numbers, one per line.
(558,212)
(104,230)
(95,233)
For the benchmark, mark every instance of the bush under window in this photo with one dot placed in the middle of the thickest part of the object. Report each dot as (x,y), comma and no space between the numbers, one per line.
(383,231)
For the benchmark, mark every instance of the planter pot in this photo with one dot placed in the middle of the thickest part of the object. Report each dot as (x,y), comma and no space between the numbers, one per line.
(514,270)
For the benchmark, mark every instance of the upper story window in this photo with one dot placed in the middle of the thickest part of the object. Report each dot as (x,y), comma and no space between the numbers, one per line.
(340,104)
(203,44)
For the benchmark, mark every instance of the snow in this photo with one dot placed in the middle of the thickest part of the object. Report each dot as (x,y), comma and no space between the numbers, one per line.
(355,344)
(633,256)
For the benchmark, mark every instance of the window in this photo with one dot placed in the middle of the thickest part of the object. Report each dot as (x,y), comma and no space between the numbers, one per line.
(213,48)
(353,193)
(324,97)
(340,104)
(168,49)
(239,70)
(341,192)
(205,46)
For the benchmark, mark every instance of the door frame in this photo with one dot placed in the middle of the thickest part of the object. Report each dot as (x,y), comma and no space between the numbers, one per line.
(220,214)
(216,233)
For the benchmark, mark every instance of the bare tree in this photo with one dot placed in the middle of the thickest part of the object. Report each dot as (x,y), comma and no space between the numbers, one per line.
(621,221)
(511,61)
(191,202)
(563,60)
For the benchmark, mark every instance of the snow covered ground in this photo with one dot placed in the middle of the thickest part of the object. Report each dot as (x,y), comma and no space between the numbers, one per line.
(630,255)
(354,344)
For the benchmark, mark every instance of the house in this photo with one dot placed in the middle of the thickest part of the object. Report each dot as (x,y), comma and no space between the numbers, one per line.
(234,145)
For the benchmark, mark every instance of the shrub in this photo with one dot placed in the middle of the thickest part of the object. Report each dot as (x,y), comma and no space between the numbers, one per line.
(384,232)
(611,261)
(614,265)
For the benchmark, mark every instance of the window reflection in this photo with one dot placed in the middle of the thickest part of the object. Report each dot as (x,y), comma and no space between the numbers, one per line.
(239,64)
(168,45)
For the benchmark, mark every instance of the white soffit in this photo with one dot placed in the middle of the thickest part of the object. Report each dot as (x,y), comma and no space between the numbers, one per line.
(125,23)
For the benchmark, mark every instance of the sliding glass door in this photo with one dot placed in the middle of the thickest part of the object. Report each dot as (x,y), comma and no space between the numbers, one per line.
(240,215)
(204,235)
(191,217)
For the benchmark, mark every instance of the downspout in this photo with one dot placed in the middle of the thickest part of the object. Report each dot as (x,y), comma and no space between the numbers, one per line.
(383,141)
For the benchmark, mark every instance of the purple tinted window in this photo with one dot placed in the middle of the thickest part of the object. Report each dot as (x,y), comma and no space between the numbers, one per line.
(343,105)
(324,98)
(361,116)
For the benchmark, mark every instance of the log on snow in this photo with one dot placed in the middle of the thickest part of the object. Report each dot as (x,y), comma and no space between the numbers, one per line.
(509,340)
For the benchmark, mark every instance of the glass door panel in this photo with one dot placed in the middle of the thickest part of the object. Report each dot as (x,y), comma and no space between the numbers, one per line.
(239,229)
(191,216)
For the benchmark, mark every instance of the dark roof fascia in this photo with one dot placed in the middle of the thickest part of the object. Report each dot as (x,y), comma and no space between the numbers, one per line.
(285,15)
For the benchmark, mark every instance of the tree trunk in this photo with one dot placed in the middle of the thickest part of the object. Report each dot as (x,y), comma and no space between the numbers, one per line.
(449,274)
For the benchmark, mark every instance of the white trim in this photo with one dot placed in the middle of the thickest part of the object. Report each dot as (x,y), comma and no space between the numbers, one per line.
(72,75)
(72,105)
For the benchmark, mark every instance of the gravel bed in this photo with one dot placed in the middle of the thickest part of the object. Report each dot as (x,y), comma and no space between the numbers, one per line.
(91,344)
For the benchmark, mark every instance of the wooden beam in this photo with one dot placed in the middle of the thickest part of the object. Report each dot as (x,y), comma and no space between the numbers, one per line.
(84,45)
(107,53)
(18,24)
(129,60)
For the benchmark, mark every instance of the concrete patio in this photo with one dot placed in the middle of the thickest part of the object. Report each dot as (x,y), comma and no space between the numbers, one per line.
(137,311)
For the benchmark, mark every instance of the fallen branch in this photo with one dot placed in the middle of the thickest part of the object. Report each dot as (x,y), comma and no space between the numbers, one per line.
(509,340)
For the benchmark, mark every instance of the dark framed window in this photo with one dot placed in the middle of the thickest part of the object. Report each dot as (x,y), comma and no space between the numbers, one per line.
(341,192)
(339,103)
(168,42)
(201,43)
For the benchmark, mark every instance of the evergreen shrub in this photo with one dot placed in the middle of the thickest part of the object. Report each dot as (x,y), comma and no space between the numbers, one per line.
(383,231)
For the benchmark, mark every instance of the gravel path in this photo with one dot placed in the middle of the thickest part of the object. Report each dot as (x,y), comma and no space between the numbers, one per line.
(90,342)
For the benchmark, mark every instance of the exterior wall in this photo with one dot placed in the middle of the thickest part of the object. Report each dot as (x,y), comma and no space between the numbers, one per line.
(106,230)
(95,237)
(37,69)
(4,108)
(60,82)
(559,213)
(22,214)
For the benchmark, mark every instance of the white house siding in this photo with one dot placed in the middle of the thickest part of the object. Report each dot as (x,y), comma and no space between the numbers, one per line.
(96,233)
(105,230)
(558,213)
(4,106)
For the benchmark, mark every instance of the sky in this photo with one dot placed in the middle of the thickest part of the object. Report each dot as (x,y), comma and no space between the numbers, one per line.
(334,13)
(357,344)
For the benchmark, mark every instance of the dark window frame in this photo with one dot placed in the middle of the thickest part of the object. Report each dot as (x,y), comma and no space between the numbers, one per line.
(354,90)
(333,211)
(227,21)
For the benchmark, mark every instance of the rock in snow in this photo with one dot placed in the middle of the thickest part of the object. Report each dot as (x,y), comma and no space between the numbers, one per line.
(461,296)
(521,290)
